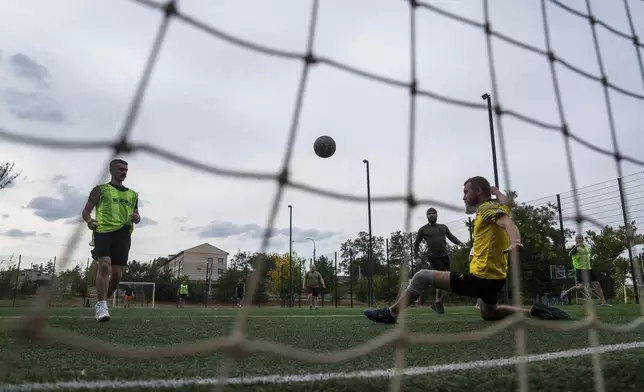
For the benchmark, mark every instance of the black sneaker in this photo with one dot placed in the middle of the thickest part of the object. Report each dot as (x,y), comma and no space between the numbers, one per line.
(438,307)
(380,316)
(545,312)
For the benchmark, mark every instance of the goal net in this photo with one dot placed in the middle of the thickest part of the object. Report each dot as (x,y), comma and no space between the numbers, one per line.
(143,294)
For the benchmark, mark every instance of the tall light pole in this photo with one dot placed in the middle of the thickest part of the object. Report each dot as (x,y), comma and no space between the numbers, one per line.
(290,255)
(309,238)
(486,97)
(370,251)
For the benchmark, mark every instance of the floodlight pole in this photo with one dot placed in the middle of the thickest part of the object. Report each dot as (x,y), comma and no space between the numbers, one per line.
(370,250)
(290,255)
(486,97)
(313,260)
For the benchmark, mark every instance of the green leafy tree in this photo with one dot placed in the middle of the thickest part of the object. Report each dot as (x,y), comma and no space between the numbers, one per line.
(325,266)
(358,249)
(607,248)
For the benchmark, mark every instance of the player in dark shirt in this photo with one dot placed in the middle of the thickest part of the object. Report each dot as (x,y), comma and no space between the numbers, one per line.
(129,294)
(434,235)
(240,289)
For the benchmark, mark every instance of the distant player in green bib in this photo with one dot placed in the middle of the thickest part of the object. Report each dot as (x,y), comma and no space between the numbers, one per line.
(117,210)
(182,293)
(581,262)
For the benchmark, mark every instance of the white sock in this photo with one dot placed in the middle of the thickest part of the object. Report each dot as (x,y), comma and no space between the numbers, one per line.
(102,303)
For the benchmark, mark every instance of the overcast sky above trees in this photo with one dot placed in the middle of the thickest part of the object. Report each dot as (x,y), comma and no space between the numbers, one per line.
(69,71)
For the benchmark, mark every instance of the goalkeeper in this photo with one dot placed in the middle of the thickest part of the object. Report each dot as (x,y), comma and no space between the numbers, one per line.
(495,235)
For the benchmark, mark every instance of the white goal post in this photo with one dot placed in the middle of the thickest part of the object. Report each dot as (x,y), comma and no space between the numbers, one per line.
(120,289)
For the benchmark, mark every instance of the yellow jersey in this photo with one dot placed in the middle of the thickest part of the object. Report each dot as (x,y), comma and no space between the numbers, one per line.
(490,241)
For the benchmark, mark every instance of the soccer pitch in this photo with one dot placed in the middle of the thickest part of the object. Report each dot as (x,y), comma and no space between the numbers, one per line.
(559,361)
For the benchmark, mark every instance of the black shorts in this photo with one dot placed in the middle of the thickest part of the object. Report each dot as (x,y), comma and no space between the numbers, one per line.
(579,278)
(183,296)
(240,294)
(472,286)
(439,263)
(115,245)
(314,291)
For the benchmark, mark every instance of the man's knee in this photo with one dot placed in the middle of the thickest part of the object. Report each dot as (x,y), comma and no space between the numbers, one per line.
(104,266)
(488,312)
(421,280)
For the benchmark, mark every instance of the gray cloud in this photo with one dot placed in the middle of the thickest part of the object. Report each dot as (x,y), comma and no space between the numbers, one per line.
(25,67)
(180,219)
(34,106)
(221,229)
(68,205)
(17,233)
(58,178)
(4,216)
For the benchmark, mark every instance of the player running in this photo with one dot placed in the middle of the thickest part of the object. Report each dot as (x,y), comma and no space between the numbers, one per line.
(495,235)
(434,235)
(581,261)
(240,291)
(117,210)
(312,281)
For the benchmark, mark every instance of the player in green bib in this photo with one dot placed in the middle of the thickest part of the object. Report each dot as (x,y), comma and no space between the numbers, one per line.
(117,210)
(581,262)
(182,293)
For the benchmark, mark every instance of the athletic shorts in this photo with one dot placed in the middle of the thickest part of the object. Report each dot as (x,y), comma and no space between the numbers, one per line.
(127,298)
(314,291)
(240,294)
(439,263)
(183,296)
(579,277)
(469,285)
(115,245)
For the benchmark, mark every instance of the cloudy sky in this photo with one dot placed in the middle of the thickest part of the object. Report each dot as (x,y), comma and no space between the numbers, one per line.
(68,70)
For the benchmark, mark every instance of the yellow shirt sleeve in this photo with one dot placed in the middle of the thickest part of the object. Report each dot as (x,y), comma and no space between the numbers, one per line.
(491,212)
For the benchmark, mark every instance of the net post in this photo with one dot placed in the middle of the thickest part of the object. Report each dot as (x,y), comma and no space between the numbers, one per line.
(469,229)
(154,290)
(351,277)
(281,292)
(388,271)
(563,238)
(629,242)
(299,295)
(335,280)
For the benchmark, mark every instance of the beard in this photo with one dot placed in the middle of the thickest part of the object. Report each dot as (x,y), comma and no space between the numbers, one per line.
(470,209)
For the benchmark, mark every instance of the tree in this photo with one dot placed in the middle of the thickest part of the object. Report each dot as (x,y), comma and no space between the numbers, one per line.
(7,174)
(325,266)
(359,249)
(49,268)
(280,274)
(241,261)
(606,248)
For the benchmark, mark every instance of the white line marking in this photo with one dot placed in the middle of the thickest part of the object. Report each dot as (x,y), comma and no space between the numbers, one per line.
(162,316)
(313,377)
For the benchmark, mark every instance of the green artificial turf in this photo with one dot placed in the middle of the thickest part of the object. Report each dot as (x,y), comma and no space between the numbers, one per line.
(328,329)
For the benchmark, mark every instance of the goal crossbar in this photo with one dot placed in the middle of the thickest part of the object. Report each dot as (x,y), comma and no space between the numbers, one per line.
(153,284)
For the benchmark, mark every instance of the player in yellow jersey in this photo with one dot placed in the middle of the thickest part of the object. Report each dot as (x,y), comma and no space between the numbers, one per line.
(495,236)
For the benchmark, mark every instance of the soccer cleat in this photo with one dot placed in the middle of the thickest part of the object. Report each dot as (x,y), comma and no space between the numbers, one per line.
(438,307)
(101,313)
(605,304)
(545,312)
(380,316)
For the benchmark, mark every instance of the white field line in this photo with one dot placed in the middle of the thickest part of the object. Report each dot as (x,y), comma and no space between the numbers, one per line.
(315,377)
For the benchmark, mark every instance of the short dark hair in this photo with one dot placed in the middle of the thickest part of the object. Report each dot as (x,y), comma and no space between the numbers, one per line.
(115,162)
(480,182)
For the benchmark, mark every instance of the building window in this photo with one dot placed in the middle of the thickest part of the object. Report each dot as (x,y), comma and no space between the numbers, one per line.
(209,260)
(220,271)
(220,260)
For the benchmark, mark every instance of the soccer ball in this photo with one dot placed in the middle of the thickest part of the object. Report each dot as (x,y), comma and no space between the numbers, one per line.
(324,146)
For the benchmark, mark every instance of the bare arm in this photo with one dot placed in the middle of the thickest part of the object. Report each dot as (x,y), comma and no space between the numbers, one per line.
(511,228)
(92,201)
(321,279)
(499,195)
